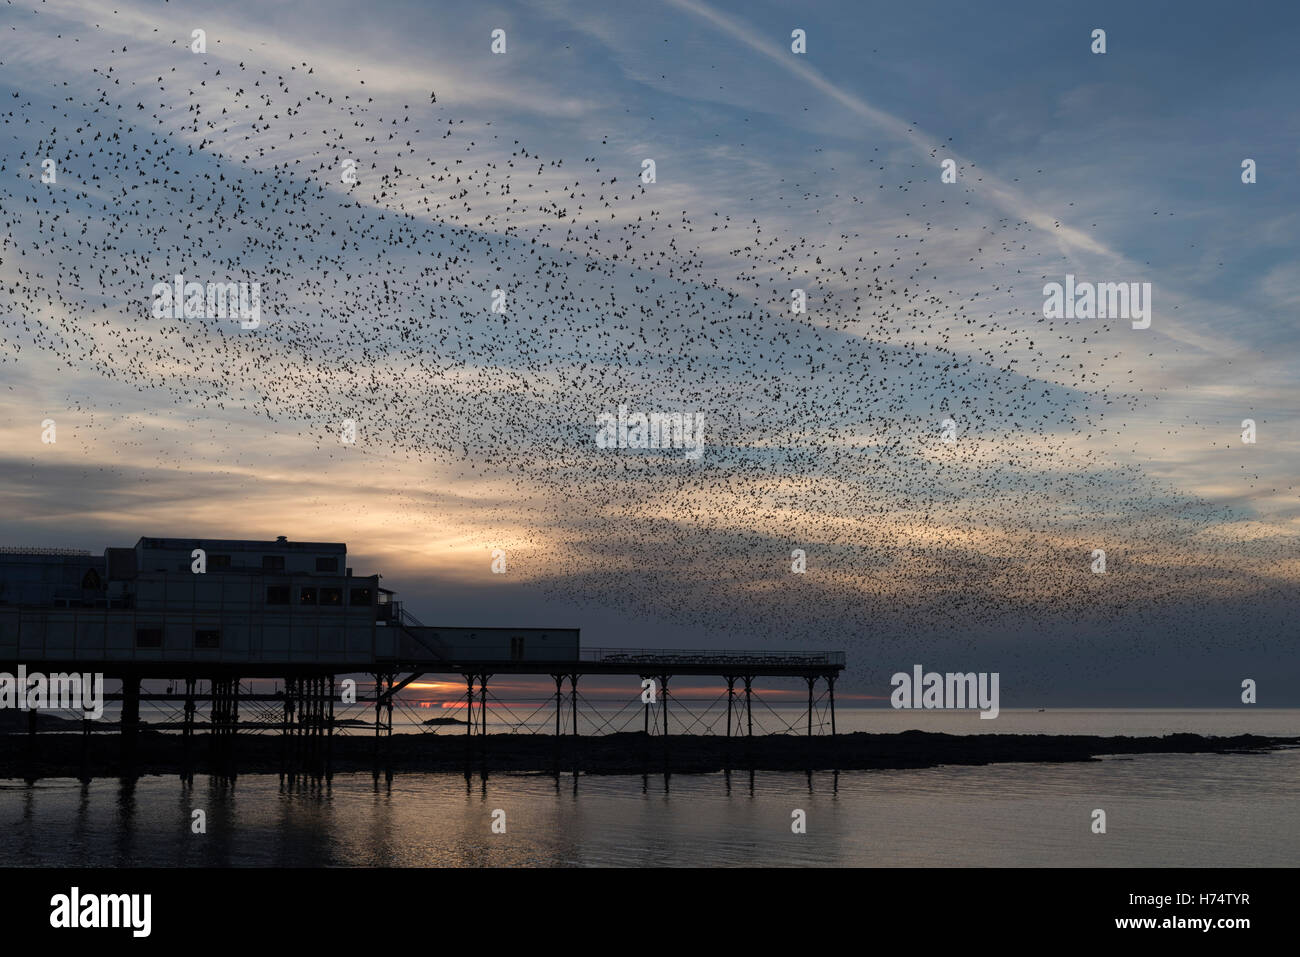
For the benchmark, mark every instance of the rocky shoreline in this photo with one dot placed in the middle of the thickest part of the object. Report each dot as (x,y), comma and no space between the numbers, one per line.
(101,755)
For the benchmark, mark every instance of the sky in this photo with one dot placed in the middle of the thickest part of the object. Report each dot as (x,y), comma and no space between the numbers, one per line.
(774,170)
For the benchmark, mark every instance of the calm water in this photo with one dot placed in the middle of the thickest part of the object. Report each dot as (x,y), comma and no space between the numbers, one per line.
(1163,810)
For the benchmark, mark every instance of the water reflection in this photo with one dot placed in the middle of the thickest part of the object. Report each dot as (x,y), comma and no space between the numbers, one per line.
(1179,810)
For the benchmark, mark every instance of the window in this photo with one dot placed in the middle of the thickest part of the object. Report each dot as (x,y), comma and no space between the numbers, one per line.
(90,581)
(306,596)
(516,648)
(327,564)
(361,597)
(331,596)
(207,639)
(273,563)
(218,561)
(148,637)
(277,594)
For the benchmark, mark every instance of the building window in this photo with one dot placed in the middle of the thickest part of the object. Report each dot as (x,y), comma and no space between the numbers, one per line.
(331,596)
(207,639)
(148,637)
(361,597)
(218,561)
(277,594)
(306,596)
(327,564)
(273,563)
(516,648)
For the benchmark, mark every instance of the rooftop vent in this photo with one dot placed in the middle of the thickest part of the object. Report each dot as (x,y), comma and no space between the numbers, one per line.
(281,540)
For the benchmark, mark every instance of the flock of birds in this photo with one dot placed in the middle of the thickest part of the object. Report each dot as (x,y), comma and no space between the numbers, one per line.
(825,430)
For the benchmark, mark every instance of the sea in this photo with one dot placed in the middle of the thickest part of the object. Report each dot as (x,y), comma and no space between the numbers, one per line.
(1166,810)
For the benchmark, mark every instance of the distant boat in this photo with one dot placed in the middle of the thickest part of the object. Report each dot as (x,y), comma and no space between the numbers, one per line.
(1042,709)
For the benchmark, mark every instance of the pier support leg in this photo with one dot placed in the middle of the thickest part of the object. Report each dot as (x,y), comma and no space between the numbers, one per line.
(379,721)
(288,753)
(130,715)
(749,710)
(187,732)
(304,728)
(573,698)
(388,707)
(731,694)
(663,698)
(232,726)
(383,729)
(329,731)
(811,682)
(469,704)
(383,721)
(559,703)
(830,691)
(482,702)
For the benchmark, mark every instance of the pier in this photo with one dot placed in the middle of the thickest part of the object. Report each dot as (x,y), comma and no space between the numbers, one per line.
(205,616)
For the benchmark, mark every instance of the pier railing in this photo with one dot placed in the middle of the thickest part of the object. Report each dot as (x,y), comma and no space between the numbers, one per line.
(696,656)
